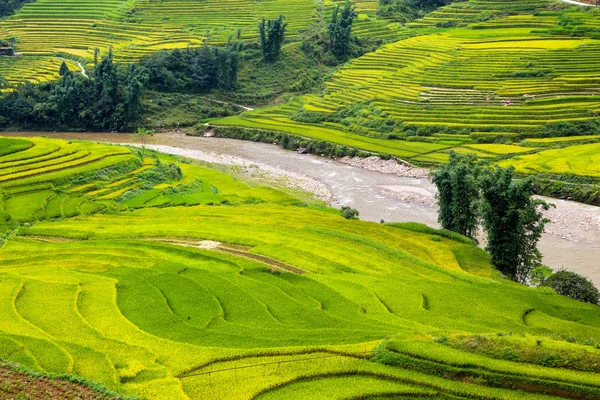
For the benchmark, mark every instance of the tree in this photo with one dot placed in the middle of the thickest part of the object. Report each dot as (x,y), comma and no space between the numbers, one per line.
(458,194)
(137,78)
(109,100)
(573,285)
(8,7)
(106,94)
(143,136)
(64,69)
(539,274)
(272,35)
(514,223)
(349,212)
(340,30)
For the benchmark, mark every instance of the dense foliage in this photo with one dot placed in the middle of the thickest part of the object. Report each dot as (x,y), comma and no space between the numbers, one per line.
(469,191)
(458,194)
(340,30)
(109,100)
(272,35)
(194,70)
(8,7)
(349,212)
(513,221)
(332,42)
(573,285)
(407,10)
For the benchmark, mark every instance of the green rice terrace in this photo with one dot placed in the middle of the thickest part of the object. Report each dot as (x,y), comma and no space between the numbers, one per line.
(50,31)
(130,274)
(475,71)
(164,279)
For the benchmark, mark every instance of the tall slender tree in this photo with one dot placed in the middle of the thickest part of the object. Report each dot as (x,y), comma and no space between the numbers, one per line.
(340,29)
(514,222)
(458,194)
(272,35)
(64,69)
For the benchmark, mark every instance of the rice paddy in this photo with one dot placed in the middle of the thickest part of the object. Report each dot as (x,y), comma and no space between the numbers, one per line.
(48,32)
(158,277)
(203,286)
(493,71)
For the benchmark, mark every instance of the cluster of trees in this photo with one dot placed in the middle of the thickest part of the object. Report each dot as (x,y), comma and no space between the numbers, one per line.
(194,70)
(333,41)
(573,285)
(340,30)
(471,194)
(108,100)
(8,7)
(407,10)
(272,35)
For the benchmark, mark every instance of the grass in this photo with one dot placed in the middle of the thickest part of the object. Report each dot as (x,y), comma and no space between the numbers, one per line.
(127,295)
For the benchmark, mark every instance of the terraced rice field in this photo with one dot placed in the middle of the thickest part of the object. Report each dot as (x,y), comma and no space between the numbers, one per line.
(48,31)
(501,66)
(207,287)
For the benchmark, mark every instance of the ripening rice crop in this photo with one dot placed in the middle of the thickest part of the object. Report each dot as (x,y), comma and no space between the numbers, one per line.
(202,286)
(496,70)
(51,31)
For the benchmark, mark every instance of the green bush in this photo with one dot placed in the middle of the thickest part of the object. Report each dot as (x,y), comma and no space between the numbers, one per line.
(349,212)
(573,285)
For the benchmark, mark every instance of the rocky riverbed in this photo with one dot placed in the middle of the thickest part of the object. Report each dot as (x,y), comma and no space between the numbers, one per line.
(385,166)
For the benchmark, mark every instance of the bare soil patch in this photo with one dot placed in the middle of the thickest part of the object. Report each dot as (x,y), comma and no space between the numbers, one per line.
(18,386)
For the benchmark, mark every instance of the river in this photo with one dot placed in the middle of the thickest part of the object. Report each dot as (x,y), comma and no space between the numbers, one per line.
(571,241)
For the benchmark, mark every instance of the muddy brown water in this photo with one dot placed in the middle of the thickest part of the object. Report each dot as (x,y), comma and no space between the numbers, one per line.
(571,241)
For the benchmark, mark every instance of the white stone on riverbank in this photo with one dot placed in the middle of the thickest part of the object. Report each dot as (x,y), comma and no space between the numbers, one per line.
(386,166)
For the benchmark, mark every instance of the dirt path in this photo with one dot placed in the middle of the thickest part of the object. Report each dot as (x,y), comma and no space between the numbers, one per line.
(226,102)
(82,70)
(578,3)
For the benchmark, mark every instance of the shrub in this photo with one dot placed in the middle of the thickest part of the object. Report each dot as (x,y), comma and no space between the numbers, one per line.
(349,212)
(573,285)
(538,274)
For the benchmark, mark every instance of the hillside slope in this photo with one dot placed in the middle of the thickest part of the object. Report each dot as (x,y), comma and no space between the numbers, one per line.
(486,70)
(177,277)
(47,32)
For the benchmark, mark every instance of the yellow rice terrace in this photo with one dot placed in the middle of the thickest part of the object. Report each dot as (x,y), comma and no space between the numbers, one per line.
(149,263)
(163,279)
(472,71)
